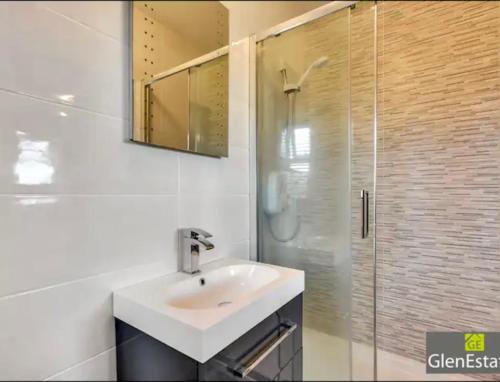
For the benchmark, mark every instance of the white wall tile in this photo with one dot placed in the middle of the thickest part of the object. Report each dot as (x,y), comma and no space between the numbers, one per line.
(252,144)
(102,367)
(240,250)
(130,168)
(108,17)
(84,212)
(46,332)
(48,240)
(59,149)
(52,57)
(225,217)
(249,17)
(202,175)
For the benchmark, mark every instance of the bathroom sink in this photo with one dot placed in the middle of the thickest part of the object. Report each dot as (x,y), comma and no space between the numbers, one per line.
(220,287)
(199,315)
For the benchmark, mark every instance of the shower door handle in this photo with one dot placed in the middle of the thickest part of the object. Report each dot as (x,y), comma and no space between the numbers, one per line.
(364,213)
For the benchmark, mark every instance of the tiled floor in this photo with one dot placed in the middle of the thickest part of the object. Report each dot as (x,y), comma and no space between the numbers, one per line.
(326,358)
(329,360)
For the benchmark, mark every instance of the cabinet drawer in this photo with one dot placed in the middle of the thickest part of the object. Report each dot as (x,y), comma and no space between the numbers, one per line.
(269,351)
(263,351)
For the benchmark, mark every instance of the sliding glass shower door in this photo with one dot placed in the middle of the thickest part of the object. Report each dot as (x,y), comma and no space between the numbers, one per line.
(315,158)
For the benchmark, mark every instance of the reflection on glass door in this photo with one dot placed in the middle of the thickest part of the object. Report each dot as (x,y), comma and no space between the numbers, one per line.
(315,155)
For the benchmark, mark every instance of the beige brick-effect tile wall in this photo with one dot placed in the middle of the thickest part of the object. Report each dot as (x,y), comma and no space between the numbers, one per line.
(438,234)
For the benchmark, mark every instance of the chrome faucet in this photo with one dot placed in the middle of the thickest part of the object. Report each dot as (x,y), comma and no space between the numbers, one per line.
(189,248)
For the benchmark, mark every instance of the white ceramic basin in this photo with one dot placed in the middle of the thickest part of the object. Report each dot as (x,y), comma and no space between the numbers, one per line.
(220,287)
(202,314)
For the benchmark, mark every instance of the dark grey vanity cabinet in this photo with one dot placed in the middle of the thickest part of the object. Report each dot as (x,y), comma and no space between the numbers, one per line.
(270,351)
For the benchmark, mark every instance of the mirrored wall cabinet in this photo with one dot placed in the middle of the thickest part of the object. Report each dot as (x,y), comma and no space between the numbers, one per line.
(180,75)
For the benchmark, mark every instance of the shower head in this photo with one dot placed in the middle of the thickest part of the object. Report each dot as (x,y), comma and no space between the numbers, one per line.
(294,88)
(319,63)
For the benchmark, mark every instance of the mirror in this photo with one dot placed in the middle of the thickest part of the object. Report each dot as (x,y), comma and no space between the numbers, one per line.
(180,75)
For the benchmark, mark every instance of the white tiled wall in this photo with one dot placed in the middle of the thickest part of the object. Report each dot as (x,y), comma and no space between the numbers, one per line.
(82,211)
(249,17)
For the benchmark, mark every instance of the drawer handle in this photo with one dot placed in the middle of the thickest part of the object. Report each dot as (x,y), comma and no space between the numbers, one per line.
(365,210)
(268,347)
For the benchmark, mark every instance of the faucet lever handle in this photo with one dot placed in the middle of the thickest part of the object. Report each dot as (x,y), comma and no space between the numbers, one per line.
(198,232)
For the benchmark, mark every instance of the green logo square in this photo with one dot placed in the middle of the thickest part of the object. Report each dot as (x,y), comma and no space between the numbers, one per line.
(474,342)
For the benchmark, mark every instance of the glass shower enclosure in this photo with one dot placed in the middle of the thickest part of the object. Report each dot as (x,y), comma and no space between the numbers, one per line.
(316,136)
